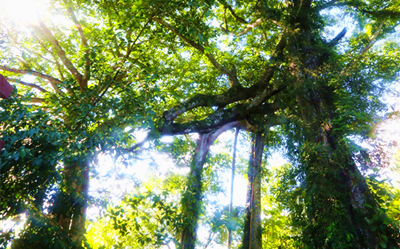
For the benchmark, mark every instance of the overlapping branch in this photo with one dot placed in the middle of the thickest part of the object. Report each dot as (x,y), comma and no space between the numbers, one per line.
(234,94)
(250,27)
(61,54)
(72,15)
(27,84)
(335,40)
(230,73)
(31,72)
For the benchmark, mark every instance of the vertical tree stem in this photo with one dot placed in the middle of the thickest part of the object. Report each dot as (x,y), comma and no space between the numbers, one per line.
(252,226)
(232,182)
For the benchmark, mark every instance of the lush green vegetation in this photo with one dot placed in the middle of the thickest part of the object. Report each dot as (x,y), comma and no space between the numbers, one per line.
(303,77)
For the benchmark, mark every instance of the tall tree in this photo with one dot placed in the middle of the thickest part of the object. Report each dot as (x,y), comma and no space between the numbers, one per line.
(181,67)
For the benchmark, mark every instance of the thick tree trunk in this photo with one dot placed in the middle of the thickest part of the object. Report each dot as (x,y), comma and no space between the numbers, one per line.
(252,235)
(340,206)
(71,206)
(66,220)
(191,200)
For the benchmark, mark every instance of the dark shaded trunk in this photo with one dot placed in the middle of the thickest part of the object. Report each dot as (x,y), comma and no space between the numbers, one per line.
(252,231)
(70,207)
(340,206)
(65,222)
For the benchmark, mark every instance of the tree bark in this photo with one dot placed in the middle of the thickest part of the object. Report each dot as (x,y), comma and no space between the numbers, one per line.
(191,200)
(66,219)
(232,184)
(252,232)
(71,206)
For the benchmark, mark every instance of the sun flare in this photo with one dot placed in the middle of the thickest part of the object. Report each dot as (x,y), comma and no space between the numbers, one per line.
(20,11)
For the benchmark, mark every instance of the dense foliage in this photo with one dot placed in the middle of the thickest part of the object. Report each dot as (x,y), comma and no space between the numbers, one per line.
(89,75)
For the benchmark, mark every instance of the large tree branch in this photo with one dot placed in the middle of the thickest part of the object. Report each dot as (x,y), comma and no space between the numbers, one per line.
(61,54)
(219,118)
(230,73)
(206,125)
(27,84)
(338,38)
(264,96)
(31,72)
(224,128)
(233,94)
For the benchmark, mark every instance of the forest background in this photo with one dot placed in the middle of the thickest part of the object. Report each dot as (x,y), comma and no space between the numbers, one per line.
(310,79)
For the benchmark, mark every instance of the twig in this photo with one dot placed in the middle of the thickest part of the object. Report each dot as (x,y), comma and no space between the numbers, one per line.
(71,13)
(201,49)
(61,53)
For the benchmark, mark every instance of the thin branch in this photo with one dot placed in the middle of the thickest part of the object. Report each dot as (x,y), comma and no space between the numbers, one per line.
(37,100)
(61,54)
(202,15)
(134,149)
(77,24)
(126,58)
(51,53)
(18,45)
(200,48)
(235,15)
(238,18)
(136,39)
(27,84)
(372,38)
(72,15)
(332,3)
(55,87)
(250,27)
(210,239)
(226,22)
(31,72)
(175,31)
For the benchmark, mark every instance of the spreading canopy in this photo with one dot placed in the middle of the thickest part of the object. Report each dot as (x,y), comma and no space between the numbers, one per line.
(87,70)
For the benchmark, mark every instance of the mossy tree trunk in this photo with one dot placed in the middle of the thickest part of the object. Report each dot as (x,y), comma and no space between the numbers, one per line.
(192,198)
(252,232)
